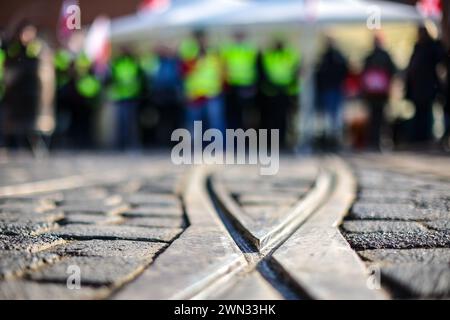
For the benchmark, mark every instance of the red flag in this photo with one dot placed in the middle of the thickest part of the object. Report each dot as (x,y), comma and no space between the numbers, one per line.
(154,5)
(430,8)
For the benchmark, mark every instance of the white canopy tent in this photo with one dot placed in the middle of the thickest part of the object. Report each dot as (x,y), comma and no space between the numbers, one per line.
(306,17)
(226,13)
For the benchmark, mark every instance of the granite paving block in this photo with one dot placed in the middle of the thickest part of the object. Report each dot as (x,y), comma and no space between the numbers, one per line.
(390,211)
(154,211)
(29,243)
(151,199)
(399,240)
(94,209)
(29,290)
(440,225)
(86,218)
(15,263)
(90,232)
(162,222)
(110,248)
(420,280)
(95,271)
(26,228)
(396,256)
(381,226)
(32,217)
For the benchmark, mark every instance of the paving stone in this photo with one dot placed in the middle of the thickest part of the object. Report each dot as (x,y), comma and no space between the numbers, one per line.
(96,271)
(153,211)
(20,207)
(16,217)
(26,228)
(111,248)
(85,194)
(439,225)
(162,222)
(37,201)
(399,240)
(29,290)
(395,256)
(126,187)
(420,280)
(29,243)
(90,232)
(391,211)
(84,218)
(150,199)
(111,200)
(381,226)
(15,263)
(46,196)
(160,188)
(94,209)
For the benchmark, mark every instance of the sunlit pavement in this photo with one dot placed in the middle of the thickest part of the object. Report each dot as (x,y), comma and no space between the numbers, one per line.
(135,226)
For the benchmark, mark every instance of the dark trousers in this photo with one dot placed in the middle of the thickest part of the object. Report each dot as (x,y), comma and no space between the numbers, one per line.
(422,127)
(376,121)
(274,114)
(128,125)
(237,100)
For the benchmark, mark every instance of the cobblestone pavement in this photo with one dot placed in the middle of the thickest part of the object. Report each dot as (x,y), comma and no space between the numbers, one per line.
(138,227)
(400,223)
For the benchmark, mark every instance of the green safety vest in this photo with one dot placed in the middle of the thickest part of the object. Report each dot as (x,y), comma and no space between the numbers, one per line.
(281,68)
(240,64)
(2,70)
(126,80)
(62,62)
(82,63)
(149,63)
(88,86)
(205,79)
(189,49)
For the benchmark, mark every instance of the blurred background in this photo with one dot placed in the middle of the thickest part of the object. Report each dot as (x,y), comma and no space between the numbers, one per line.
(122,75)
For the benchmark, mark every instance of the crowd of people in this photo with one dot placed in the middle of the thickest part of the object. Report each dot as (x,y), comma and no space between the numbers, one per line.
(234,85)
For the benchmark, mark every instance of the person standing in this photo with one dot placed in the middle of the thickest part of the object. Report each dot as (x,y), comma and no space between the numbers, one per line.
(166,93)
(280,68)
(203,83)
(29,89)
(64,70)
(376,79)
(330,77)
(87,88)
(240,59)
(422,84)
(127,85)
(446,136)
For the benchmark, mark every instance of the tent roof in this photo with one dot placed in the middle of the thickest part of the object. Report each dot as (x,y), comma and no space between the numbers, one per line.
(209,13)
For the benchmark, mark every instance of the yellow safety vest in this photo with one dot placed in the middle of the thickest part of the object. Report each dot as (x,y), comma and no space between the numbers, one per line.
(2,62)
(240,64)
(126,79)
(205,79)
(281,68)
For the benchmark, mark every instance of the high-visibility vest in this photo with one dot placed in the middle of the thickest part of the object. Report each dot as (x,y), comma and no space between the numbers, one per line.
(2,70)
(126,79)
(189,49)
(149,63)
(88,86)
(82,63)
(240,64)
(205,78)
(281,68)
(62,62)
